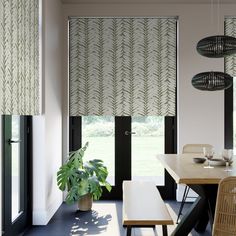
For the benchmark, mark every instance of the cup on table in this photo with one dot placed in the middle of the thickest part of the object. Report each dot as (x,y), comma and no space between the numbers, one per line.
(208,153)
(227,155)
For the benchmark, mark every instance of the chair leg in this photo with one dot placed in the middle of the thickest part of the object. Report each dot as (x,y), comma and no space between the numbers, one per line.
(186,190)
(164,230)
(129,229)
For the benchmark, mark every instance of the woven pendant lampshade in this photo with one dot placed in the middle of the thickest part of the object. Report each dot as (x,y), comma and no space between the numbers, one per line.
(217,46)
(212,81)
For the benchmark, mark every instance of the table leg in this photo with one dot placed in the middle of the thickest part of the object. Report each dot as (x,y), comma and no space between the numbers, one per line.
(202,222)
(203,219)
(190,219)
(200,212)
(209,192)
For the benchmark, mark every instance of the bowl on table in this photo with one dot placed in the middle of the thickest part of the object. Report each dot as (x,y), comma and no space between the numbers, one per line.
(199,160)
(217,162)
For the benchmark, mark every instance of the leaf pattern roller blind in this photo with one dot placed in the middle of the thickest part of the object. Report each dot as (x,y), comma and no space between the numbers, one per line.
(230,61)
(19,57)
(122,66)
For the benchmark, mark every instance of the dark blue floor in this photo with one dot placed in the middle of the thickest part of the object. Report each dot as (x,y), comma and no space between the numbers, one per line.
(69,221)
(104,220)
(60,225)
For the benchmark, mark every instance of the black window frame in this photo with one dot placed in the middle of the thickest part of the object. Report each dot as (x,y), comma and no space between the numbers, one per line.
(228,118)
(27,181)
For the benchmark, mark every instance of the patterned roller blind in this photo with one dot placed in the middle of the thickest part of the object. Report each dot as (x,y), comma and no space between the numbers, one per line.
(122,66)
(230,61)
(19,57)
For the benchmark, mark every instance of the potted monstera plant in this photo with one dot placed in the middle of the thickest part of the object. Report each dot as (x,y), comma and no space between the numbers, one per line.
(83,180)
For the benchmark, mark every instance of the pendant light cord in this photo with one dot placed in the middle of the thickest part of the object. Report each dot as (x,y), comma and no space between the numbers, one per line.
(218,17)
(212,17)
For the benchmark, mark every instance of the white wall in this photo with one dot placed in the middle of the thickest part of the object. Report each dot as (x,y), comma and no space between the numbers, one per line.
(200,114)
(47,129)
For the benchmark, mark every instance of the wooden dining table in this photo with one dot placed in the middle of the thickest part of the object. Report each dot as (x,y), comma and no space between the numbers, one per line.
(203,181)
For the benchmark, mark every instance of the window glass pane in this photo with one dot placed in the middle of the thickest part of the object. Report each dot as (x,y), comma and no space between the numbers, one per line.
(15,148)
(99,131)
(147,142)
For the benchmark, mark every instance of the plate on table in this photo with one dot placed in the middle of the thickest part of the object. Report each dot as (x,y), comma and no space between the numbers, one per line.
(217,162)
(199,160)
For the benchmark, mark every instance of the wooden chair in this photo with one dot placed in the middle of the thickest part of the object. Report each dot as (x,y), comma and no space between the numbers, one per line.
(195,148)
(225,213)
(190,148)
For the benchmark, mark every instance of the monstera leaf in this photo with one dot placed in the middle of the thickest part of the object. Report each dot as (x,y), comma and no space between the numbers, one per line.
(76,157)
(66,177)
(72,195)
(97,167)
(95,187)
(79,178)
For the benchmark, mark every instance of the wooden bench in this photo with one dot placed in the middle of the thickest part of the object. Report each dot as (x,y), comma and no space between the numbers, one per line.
(144,207)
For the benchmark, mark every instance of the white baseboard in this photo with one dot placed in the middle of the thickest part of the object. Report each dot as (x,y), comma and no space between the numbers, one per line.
(42,217)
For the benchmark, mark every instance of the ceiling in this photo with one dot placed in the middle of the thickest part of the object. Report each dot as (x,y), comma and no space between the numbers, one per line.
(147,1)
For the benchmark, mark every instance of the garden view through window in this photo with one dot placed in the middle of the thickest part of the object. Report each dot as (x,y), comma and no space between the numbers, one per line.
(99,131)
(15,185)
(147,141)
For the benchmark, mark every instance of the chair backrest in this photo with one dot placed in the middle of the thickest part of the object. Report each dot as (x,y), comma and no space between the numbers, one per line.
(225,213)
(195,148)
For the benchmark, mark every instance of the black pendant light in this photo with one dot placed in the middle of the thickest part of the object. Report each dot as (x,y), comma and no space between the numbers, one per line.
(212,81)
(214,47)
(217,46)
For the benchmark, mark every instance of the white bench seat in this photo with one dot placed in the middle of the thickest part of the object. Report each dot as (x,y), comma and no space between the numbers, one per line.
(143,206)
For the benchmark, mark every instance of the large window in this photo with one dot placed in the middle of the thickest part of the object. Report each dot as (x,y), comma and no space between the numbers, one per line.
(17,212)
(128,146)
(147,140)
